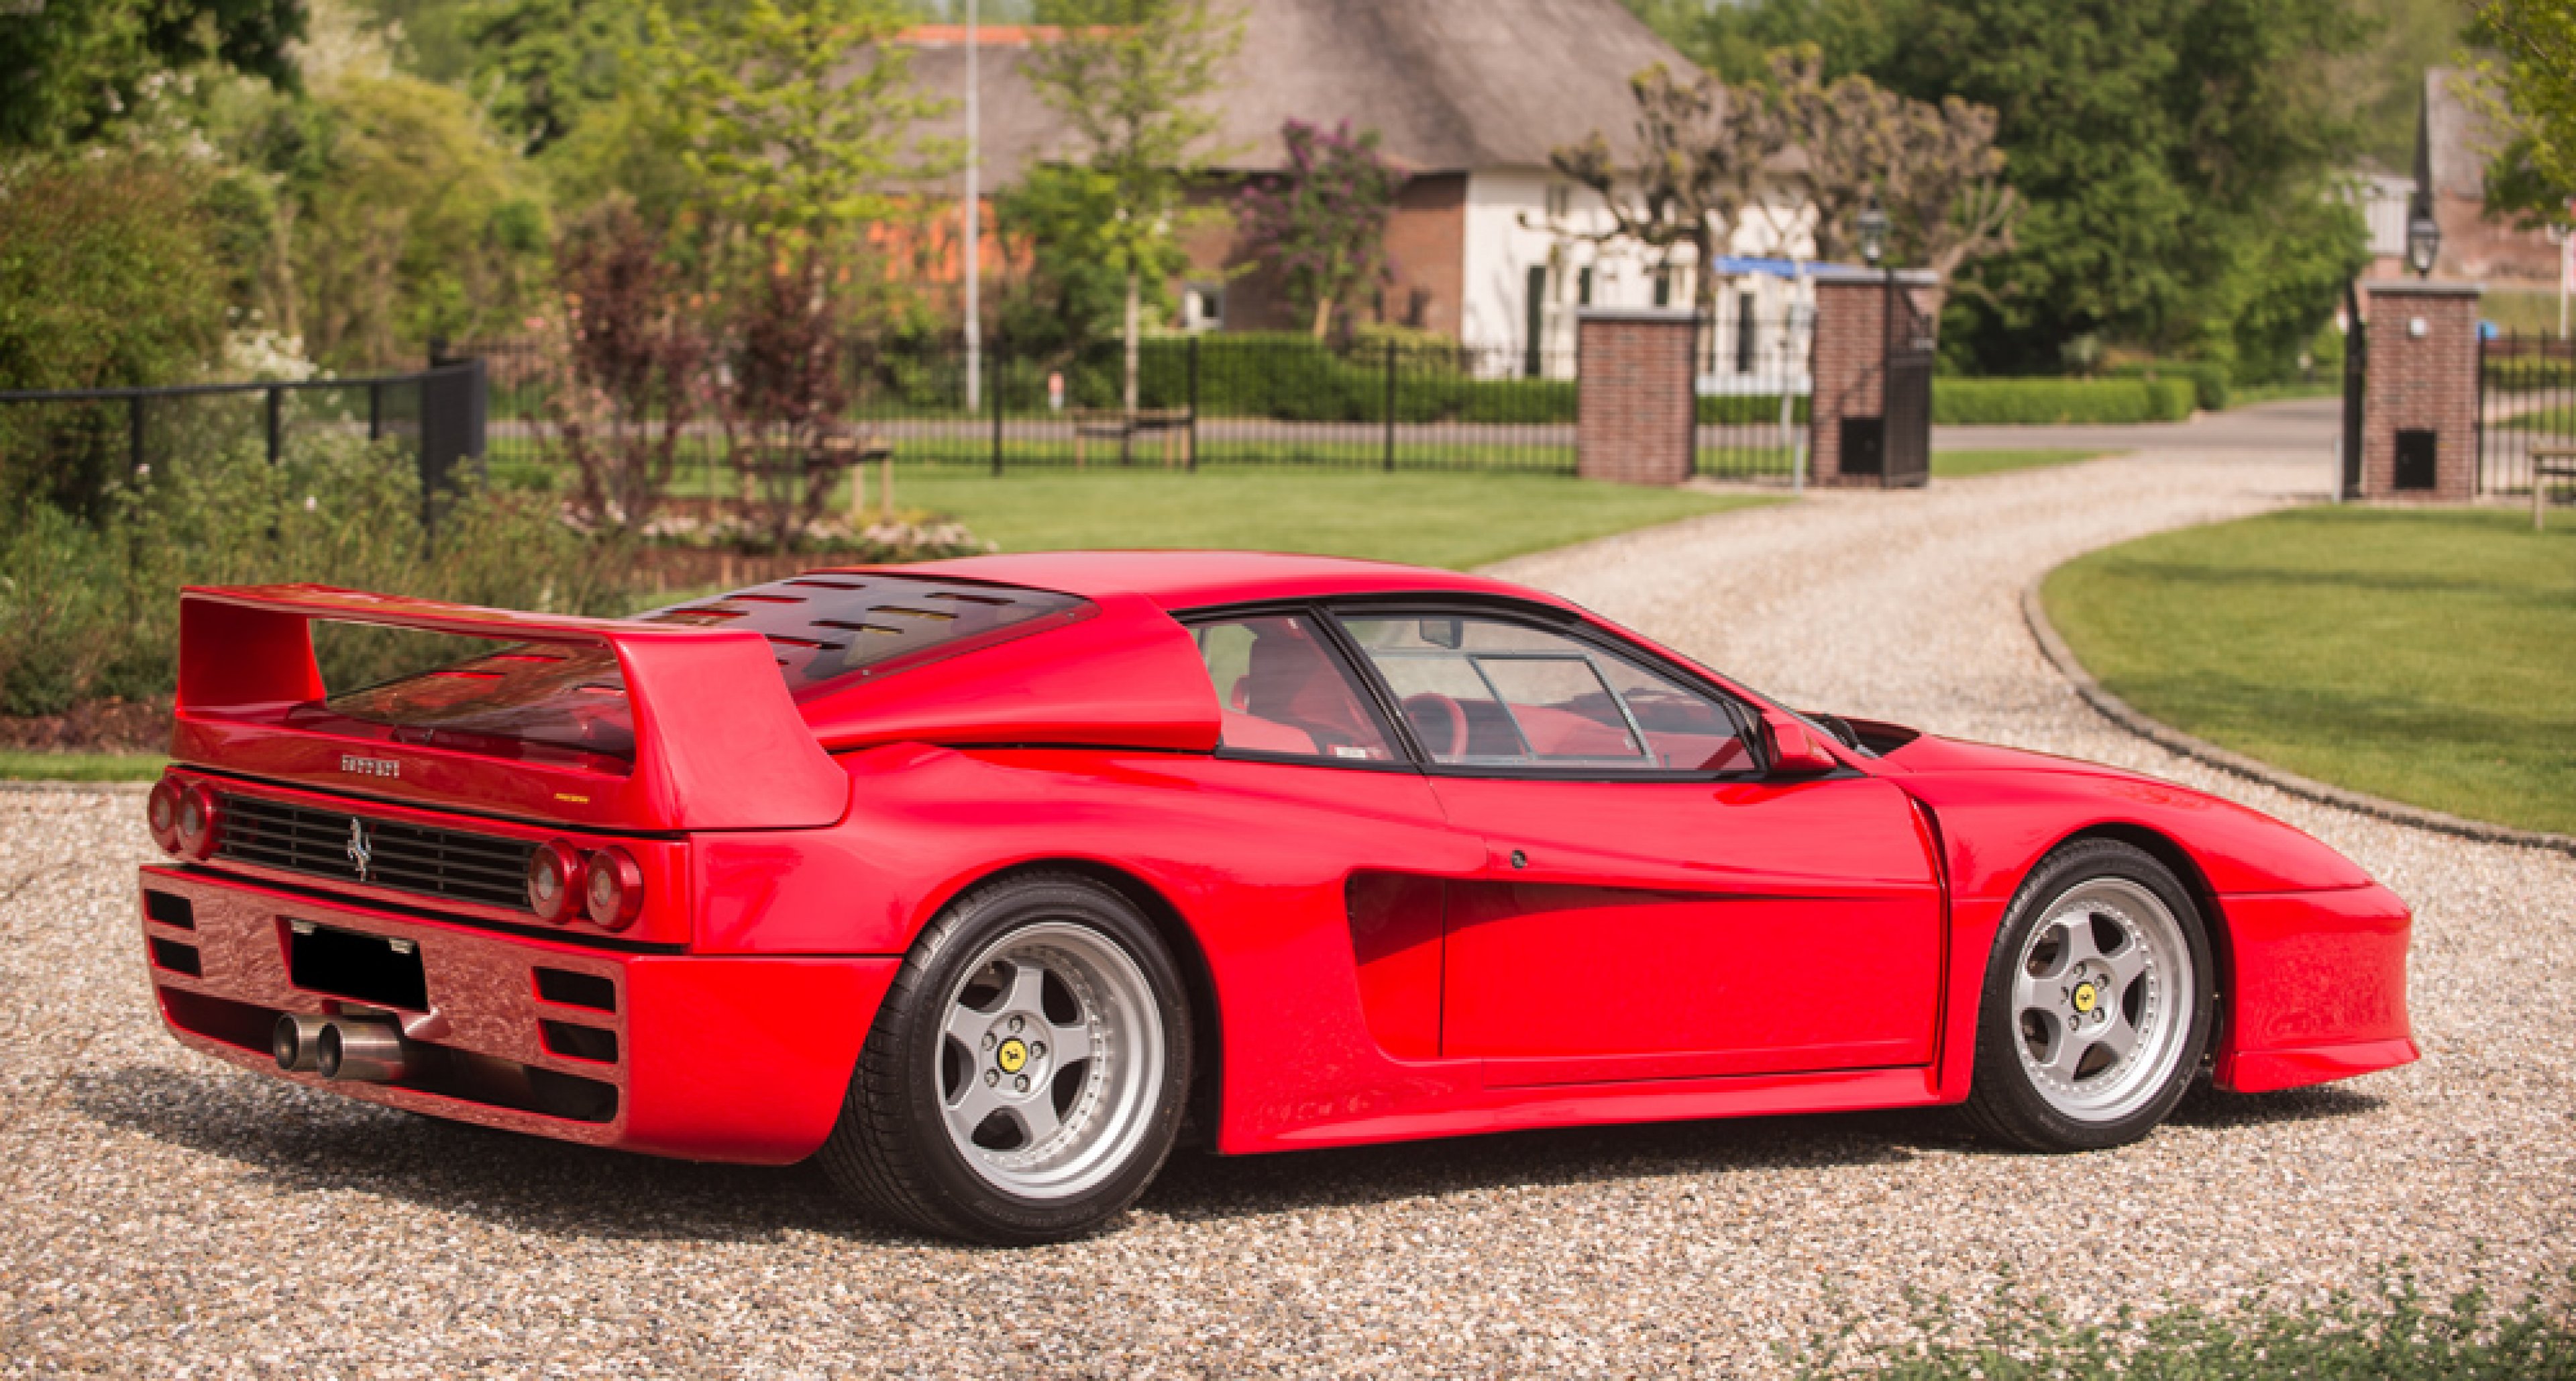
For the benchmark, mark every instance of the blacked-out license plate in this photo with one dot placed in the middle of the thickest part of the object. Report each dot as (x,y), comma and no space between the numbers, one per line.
(378,970)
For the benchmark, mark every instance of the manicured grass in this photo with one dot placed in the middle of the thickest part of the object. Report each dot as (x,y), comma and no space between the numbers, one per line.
(1953,465)
(2424,655)
(18,766)
(1430,519)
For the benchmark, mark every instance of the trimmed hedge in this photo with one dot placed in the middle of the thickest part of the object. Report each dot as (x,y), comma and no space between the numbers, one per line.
(2210,379)
(2060,402)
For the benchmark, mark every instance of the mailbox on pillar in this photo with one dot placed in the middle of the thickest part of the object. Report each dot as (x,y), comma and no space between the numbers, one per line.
(2419,412)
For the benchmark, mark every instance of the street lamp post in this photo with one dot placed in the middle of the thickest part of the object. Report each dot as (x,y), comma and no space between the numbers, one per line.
(974,223)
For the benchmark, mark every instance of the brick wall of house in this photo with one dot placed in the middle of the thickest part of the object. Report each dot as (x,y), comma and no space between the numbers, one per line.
(1426,250)
(1849,363)
(1637,401)
(2426,381)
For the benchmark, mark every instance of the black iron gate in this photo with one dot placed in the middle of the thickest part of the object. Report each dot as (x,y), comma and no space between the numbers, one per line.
(2356,378)
(1912,343)
(2526,408)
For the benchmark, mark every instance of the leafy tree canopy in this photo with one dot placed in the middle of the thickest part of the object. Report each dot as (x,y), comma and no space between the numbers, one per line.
(71,71)
(2171,151)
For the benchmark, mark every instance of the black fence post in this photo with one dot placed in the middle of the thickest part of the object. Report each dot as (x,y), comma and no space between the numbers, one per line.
(134,432)
(993,381)
(276,425)
(1390,408)
(1194,405)
(375,409)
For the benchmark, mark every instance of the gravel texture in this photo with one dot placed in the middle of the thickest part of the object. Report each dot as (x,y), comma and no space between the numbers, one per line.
(163,1215)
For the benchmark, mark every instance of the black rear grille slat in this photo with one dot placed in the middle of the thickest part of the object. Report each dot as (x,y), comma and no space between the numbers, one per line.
(404,857)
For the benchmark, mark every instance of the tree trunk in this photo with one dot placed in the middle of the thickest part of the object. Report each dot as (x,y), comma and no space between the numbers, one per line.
(1323,317)
(1134,291)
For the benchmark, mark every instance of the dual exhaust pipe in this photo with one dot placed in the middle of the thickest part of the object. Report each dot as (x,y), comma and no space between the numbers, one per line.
(367,1049)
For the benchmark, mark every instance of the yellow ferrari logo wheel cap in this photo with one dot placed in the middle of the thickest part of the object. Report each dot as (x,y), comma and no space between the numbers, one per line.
(1011,1057)
(2085,997)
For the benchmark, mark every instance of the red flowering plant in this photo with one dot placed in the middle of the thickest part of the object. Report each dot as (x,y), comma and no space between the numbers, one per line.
(1320,222)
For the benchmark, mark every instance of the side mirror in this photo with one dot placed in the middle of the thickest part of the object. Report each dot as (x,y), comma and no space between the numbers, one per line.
(1794,749)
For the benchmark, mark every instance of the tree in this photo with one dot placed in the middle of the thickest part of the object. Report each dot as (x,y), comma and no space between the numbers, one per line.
(411,221)
(71,71)
(793,118)
(106,281)
(1322,220)
(1128,76)
(1704,152)
(2537,70)
(1059,226)
(1933,167)
(624,366)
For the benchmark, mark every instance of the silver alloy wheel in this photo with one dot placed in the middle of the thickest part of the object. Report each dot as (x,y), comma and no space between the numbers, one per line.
(2102,999)
(1049,1060)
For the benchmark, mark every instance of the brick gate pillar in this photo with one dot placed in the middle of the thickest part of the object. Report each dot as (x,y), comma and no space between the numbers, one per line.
(1638,396)
(2419,409)
(1850,368)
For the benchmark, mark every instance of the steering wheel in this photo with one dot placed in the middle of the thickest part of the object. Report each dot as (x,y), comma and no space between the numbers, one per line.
(1440,722)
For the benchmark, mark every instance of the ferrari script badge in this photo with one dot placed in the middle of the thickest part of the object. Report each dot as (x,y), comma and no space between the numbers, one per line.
(2085,997)
(1011,1057)
(360,852)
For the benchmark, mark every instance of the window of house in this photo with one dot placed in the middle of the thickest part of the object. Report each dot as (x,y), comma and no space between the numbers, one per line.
(1481,692)
(1283,691)
(1560,201)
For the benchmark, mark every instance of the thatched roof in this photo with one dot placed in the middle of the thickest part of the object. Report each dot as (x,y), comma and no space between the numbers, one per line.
(1450,85)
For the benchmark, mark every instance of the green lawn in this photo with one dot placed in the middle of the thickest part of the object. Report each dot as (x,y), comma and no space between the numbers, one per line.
(2426,655)
(1951,465)
(1431,519)
(18,766)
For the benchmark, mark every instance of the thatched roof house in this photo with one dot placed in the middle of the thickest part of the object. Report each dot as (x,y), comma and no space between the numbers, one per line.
(1469,96)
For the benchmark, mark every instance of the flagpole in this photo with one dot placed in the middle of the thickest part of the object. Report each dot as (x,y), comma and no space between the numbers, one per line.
(974,221)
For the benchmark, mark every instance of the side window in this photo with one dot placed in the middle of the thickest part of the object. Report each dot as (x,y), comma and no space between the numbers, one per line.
(1485,693)
(1283,691)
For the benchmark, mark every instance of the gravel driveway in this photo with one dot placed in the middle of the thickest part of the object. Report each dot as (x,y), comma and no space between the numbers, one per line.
(163,1215)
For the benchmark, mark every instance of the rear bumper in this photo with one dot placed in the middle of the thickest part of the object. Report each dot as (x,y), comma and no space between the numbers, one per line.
(703,1057)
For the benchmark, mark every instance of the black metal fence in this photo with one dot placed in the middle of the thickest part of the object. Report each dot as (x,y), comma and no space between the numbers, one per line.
(1752,392)
(2526,404)
(1200,401)
(70,446)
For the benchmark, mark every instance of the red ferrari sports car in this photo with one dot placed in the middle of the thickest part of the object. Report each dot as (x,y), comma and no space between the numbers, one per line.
(983,880)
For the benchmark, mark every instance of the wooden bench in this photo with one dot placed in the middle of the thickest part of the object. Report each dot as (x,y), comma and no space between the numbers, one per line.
(2548,463)
(1110,424)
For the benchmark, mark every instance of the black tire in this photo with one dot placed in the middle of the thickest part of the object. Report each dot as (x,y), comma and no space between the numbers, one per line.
(892,1149)
(2005,1100)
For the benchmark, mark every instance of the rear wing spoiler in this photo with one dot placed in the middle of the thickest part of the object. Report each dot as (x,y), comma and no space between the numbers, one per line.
(719,743)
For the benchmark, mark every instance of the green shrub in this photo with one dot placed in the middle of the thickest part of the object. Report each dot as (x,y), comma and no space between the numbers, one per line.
(90,610)
(2060,402)
(2211,381)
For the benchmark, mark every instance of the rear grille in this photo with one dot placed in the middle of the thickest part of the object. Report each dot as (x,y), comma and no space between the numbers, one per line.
(447,864)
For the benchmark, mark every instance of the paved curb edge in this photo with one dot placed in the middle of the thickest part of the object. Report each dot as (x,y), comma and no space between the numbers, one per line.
(2120,712)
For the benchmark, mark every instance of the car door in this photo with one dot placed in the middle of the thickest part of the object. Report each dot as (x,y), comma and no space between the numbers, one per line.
(1652,905)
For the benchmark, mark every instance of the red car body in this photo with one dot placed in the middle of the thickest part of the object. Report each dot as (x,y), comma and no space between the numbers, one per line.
(1378,951)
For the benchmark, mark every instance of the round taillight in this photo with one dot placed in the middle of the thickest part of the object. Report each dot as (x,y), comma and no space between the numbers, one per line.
(196,823)
(616,889)
(554,880)
(161,809)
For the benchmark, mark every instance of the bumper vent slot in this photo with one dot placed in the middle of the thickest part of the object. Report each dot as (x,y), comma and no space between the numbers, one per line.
(565,988)
(170,909)
(579,1042)
(448,864)
(177,958)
